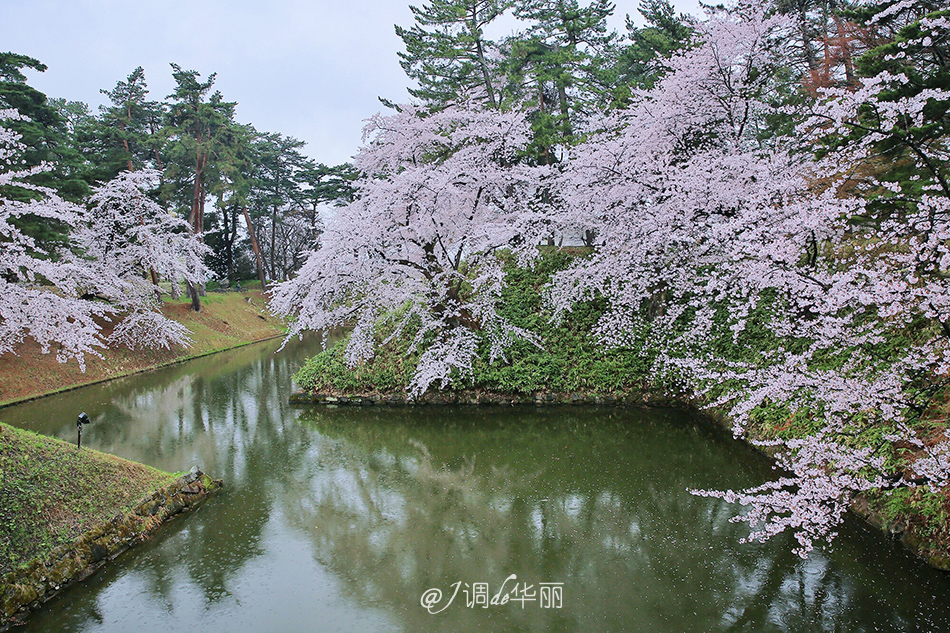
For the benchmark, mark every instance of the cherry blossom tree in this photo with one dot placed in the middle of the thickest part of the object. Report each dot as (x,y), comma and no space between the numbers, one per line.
(668,182)
(882,267)
(61,299)
(700,213)
(128,242)
(38,292)
(440,194)
(712,223)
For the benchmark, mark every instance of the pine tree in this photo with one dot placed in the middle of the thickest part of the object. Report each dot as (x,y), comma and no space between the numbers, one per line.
(277,189)
(196,122)
(645,59)
(447,53)
(128,127)
(565,49)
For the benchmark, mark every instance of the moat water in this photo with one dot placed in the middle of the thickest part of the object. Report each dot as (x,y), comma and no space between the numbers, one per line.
(522,518)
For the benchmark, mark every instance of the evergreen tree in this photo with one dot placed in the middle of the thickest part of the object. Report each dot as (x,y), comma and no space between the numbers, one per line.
(645,59)
(128,127)
(44,134)
(908,63)
(41,132)
(447,53)
(231,190)
(197,122)
(325,185)
(278,163)
(39,124)
(560,68)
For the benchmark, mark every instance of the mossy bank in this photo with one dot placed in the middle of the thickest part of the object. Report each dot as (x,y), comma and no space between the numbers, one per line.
(64,511)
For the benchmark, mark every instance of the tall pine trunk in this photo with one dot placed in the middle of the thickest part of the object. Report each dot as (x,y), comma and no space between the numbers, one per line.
(195,219)
(259,264)
(273,243)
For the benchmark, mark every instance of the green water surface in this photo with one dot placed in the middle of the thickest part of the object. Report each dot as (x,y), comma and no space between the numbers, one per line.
(341,519)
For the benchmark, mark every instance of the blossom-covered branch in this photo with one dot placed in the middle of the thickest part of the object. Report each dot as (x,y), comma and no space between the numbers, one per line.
(441,193)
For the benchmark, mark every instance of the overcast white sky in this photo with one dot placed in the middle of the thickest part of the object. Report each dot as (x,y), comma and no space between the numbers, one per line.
(311,69)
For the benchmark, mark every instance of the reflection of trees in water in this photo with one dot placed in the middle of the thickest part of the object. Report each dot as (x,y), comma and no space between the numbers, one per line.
(396,501)
(250,436)
(394,507)
(208,416)
(237,426)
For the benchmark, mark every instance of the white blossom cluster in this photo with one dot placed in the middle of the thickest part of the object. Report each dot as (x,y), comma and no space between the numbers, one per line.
(696,213)
(441,194)
(65,298)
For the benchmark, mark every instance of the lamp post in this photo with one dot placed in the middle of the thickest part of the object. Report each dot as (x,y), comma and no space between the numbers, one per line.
(82,419)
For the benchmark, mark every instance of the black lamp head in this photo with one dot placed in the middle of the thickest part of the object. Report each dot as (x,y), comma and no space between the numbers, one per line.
(83,419)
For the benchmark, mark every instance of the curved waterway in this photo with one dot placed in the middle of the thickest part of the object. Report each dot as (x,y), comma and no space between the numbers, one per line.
(525,519)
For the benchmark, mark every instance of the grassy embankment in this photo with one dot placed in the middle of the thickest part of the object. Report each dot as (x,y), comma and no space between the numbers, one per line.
(571,362)
(51,493)
(226,320)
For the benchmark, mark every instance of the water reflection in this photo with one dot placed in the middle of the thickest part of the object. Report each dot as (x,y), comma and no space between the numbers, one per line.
(339,519)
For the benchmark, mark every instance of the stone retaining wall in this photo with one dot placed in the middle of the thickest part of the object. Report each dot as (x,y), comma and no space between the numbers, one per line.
(475,397)
(26,588)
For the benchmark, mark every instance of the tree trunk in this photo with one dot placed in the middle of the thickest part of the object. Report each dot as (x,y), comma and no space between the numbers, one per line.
(151,270)
(192,290)
(201,224)
(273,243)
(193,293)
(844,50)
(485,76)
(125,142)
(547,149)
(257,251)
(128,154)
(565,110)
(230,234)
(481,60)
(158,289)
(197,218)
(193,217)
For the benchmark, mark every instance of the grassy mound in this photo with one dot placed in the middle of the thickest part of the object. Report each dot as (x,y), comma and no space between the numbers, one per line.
(50,492)
(568,361)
